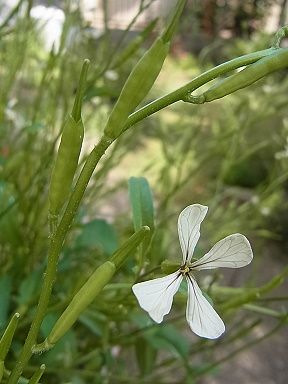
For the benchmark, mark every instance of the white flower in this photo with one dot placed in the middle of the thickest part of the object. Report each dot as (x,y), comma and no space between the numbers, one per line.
(156,296)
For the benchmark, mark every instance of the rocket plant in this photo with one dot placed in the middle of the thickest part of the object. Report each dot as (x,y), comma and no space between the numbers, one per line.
(67,189)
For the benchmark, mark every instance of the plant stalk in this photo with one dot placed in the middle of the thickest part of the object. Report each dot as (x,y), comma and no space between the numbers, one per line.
(56,243)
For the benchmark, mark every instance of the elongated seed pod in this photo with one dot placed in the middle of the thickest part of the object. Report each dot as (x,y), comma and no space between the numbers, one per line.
(65,164)
(130,245)
(6,340)
(142,78)
(81,300)
(69,151)
(94,285)
(91,289)
(247,76)
(8,335)
(137,86)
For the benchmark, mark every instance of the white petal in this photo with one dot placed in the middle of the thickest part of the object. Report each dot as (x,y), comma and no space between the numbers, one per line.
(156,296)
(233,251)
(201,316)
(189,222)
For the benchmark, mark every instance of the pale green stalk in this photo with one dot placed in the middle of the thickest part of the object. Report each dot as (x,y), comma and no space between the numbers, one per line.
(37,375)
(7,337)
(265,311)
(255,293)
(56,243)
(181,93)
(6,341)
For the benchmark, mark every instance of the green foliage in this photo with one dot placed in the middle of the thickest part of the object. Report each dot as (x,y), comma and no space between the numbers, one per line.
(141,202)
(230,154)
(5,292)
(142,210)
(97,234)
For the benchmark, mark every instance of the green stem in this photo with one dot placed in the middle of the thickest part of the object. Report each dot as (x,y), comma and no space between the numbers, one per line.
(37,375)
(256,293)
(56,243)
(200,80)
(265,311)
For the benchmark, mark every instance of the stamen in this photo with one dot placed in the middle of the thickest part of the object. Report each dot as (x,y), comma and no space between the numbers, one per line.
(184,269)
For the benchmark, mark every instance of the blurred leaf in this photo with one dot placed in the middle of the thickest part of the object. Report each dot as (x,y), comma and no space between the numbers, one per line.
(77,380)
(247,173)
(35,127)
(93,322)
(2,160)
(163,336)
(142,202)
(9,226)
(141,320)
(29,287)
(98,234)
(101,91)
(5,292)
(146,355)
(167,337)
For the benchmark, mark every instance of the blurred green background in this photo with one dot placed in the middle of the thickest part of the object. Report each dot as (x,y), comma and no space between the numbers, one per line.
(231,155)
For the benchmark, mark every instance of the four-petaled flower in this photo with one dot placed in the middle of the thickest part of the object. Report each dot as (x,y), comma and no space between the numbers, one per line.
(156,296)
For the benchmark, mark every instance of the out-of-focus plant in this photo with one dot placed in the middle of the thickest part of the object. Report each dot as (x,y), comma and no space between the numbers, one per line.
(214,154)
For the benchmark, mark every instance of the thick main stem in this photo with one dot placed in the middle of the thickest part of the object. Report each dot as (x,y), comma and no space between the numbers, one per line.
(55,248)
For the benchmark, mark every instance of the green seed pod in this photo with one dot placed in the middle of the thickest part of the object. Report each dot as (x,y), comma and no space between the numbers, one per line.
(7,337)
(136,87)
(81,300)
(69,151)
(90,290)
(130,245)
(142,78)
(66,164)
(247,76)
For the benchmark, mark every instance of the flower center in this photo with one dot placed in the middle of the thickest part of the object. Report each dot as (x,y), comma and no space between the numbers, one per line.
(184,269)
